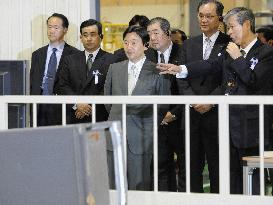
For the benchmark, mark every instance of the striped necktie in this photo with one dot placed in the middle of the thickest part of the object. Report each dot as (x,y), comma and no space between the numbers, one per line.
(207,49)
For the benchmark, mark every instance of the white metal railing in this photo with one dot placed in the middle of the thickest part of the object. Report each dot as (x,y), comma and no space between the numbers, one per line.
(156,197)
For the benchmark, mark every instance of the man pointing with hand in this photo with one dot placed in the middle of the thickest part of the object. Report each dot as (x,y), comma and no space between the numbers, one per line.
(246,69)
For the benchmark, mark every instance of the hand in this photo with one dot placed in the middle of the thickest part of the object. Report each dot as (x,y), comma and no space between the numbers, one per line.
(201,108)
(83,110)
(233,50)
(169,117)
(168,68)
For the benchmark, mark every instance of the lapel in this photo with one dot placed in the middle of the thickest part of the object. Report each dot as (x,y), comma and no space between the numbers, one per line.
(198,47)
(152,55)
(174,55)
(254,51)
(99,60)
(81,65)
(219,45)
(123,73)
(65,52)
(143,73)
(42,62)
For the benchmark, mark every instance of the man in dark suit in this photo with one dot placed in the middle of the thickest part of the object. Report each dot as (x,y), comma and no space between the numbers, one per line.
(246,69)
(170,132)
(84,73)
(204,118)
(57,27)
(136,76)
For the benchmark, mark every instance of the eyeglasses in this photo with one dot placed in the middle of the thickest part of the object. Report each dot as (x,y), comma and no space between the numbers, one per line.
(208,17)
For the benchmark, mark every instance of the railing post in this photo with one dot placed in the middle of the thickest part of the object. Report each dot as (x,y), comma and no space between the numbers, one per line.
(224,161)
(187,146)
(3,116)
(155,145)
(63,114)
(261,148)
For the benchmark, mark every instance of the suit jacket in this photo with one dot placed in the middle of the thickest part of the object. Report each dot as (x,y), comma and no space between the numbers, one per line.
(120,55)
(38,61)
(173,132)
(175,58)
(73,80)
(252,75)
(192,50)
(47,114)
(139,117)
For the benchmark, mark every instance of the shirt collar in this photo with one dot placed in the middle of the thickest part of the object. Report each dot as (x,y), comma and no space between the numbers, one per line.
(249,46)
(212,38)
(166,53)
(94,54)
(60,47)
(138,64)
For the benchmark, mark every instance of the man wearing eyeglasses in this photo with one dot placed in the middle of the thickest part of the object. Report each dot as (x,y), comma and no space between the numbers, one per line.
(246,69)
(204,118)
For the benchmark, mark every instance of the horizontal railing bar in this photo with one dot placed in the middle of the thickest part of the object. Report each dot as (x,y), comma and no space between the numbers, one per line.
(182,99)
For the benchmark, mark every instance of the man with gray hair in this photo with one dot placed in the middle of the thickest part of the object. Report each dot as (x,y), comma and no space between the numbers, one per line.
(246,67)
(170,131)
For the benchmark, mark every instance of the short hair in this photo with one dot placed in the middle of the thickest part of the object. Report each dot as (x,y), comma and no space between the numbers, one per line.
(139,19)
(218,4)
(91,22)
(61,16)
(183,35)
(267,32)
(140,31)
(242,14)
(164,24)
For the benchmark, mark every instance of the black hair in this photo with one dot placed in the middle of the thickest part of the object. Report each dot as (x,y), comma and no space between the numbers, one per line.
(140,31)
(91,22)
(183,35)
(61,16)
(218,4)
(164,24)
(267,32)
(139,19)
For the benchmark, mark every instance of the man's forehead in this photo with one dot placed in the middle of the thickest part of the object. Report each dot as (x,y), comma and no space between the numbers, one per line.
(154,26)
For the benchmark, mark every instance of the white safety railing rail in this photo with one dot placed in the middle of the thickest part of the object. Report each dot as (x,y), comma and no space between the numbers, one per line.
(156,197)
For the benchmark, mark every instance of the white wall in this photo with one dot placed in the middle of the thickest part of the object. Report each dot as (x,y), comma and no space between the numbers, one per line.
(23,24)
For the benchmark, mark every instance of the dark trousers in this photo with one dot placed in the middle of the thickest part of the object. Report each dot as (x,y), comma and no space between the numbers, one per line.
(170,141)
(236,169)
(204,145)
(49,114)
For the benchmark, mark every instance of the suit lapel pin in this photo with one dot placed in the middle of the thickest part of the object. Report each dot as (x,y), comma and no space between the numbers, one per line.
(96,73)
(254,62)
(219,54)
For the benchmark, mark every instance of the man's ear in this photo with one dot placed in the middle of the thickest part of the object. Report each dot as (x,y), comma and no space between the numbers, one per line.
(247,24)
(65,30)
(270,42)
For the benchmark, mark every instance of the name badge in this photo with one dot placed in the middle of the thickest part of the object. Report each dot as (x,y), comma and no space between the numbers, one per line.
(96,73)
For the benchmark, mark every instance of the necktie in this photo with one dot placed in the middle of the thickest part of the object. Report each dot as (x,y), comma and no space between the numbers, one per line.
(162,59)
(243,52)
(89,63)
(50,75)
(131,79)
(207,49)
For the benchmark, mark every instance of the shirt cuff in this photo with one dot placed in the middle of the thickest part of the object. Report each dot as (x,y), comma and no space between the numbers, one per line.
(74,107)
(183,73)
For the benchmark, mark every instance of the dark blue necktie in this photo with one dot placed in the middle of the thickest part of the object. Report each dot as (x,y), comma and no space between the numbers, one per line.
(50,75)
